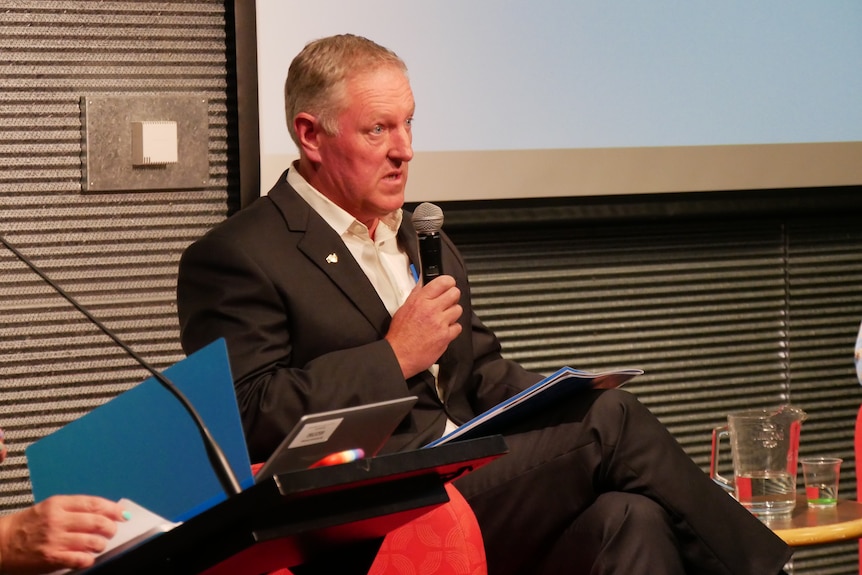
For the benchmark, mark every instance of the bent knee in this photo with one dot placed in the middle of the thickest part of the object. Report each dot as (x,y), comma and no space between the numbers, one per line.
(636,511)
(618,401)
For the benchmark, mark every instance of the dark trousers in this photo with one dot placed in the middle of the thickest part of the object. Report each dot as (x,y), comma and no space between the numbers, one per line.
(599,486)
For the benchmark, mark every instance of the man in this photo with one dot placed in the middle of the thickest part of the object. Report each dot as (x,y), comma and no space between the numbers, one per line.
(311,288)
(62,532)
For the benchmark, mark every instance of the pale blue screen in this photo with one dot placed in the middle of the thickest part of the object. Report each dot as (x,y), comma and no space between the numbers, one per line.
(494,74)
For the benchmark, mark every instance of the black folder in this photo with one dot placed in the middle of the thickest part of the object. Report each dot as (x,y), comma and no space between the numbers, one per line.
(291,518)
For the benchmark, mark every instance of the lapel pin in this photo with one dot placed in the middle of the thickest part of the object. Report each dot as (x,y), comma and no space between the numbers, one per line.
(332,258)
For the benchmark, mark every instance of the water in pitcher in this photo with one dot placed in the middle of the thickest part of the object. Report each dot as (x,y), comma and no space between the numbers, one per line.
(765,446)
(767,492)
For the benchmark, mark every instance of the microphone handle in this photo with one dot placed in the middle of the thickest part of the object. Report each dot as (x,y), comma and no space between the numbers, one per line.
(430,255)
(217,458)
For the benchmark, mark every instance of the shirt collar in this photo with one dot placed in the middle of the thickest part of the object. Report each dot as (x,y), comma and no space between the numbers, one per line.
(341,221)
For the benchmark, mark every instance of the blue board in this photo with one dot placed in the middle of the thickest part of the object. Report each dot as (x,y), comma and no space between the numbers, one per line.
(144,446)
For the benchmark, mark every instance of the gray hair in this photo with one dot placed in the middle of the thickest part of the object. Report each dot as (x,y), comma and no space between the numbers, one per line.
(317,76)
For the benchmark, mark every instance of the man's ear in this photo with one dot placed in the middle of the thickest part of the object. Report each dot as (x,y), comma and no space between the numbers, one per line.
(309,132)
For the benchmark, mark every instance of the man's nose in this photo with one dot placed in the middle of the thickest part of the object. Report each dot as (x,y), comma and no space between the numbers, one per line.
(402,145)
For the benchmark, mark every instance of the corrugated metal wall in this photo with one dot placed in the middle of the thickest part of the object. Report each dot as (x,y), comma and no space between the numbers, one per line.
(115,252)
(722,314)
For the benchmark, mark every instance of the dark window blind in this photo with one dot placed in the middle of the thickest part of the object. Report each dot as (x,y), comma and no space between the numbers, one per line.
(723,315)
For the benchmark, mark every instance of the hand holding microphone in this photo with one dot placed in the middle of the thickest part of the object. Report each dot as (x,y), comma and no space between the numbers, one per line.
(425,324)
(427,321)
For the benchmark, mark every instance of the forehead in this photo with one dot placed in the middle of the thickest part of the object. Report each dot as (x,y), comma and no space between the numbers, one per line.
(379,88)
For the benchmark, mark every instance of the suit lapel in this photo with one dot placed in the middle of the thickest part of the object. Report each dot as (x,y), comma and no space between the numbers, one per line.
(326,250)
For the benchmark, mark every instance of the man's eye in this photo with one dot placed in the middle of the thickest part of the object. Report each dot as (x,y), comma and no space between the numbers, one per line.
(409,122)
(378,129)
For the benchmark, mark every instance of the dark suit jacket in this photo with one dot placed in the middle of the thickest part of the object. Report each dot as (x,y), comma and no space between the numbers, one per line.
(304,326)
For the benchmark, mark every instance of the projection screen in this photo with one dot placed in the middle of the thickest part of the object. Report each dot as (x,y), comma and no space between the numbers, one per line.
(551,98)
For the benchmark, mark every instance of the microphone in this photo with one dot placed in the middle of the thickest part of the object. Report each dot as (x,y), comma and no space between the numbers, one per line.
(427,221)
(217,458)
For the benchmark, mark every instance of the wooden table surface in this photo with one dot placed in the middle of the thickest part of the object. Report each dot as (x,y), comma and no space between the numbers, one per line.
(807,526)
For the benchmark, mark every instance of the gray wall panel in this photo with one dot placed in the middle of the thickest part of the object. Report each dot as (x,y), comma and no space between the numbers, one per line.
(115,252)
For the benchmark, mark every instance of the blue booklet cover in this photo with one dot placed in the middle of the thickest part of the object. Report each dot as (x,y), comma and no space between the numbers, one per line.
(559,384)
(143,445)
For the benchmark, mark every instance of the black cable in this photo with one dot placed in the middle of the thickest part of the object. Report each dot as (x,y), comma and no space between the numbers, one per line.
(216,456)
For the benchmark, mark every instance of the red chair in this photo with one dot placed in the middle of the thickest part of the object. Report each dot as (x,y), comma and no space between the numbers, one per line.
(445,541)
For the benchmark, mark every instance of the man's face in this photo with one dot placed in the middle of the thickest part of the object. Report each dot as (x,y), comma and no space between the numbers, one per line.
(363,168)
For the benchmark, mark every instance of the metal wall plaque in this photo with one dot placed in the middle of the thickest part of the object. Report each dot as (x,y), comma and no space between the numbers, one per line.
(107,142)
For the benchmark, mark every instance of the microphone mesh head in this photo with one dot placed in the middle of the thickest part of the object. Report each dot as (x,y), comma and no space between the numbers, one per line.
(427,218)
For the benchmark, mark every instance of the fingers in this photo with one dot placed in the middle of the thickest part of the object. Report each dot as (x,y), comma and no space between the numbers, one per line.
(442,290)
(68,530)
(83,514)
(62,531)
(425,324)
(91,504)
(74,559)
(438,285)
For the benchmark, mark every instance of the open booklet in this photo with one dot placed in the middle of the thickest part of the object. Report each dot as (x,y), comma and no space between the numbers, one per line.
(559,384)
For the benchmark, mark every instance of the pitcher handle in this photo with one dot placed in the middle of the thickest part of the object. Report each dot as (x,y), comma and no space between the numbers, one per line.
(723,482)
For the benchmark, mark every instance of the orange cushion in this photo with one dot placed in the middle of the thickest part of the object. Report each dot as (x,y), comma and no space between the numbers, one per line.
(444,541)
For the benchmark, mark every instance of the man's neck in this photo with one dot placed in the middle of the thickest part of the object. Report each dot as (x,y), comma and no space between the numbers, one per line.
(310,179)
(311,174)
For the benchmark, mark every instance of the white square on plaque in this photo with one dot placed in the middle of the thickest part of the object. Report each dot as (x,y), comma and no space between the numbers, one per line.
(154,143)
